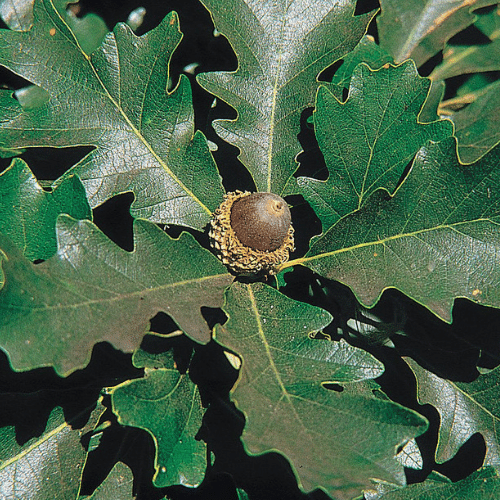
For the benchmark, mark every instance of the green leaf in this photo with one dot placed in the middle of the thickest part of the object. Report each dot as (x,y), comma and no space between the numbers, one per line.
(48,466)
(337,440)
(464,408)
(117,486)
(115,100)
(281,49)
(92,291)
(168,406)
(435,240)
(28,213)
(483,484)
(477,127)
(419,29)
(465,59)
(368,141)
(366,51)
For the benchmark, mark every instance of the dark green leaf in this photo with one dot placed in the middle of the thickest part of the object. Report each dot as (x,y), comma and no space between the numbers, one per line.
(115,100)
(28,213)
(45,467)
(465,408)
(168,406)
(281,49)
(340,439)
(435,240)
(368,141)
(418,29)
(91,290)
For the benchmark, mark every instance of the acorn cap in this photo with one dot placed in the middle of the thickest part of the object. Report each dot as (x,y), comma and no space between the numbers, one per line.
(252,232)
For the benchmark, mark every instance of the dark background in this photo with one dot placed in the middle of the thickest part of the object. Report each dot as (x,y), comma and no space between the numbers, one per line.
(451,351)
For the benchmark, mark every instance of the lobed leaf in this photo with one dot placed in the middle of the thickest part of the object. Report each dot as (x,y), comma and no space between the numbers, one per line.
(419,29)
(50,465)
(93,291)
(115,100)
(167,405)
(368,141)
(281,49)
(340,439)
(464,408)
(437,239)
(28,213)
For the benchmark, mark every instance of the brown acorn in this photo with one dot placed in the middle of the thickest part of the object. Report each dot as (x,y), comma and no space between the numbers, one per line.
(252,232)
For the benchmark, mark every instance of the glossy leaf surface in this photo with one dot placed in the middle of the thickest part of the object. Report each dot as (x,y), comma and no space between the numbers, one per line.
(435,240)
(28,213)
(340,439)
(92,291)
(368,141)
(281,49)
(48,466)
(115,100)
(166,404)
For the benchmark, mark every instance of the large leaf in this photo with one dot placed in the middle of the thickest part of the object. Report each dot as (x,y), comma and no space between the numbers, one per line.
(483,484)
(368,141)
(48,466)
(438,238)
(281,49)
(167,405)
(337,440)
(92,291)
(115,100)
(418,29)
(465,408)
(28,213)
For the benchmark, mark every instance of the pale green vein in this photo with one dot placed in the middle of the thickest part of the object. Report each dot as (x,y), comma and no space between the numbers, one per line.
(132,126)
(382,241)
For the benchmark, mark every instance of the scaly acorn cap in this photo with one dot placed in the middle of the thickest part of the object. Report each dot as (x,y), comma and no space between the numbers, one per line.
(252,232)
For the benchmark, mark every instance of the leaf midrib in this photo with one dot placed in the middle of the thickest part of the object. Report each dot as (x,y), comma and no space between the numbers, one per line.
(128,121)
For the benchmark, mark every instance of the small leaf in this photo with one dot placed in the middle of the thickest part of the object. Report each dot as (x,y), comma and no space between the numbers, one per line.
(465,408)
(368,141)
(340,439)
(117,486)
(167,405)
(92,291)
(435,240)
(281,49)
(50,465)
(28,213)
(418,29)
(115,100)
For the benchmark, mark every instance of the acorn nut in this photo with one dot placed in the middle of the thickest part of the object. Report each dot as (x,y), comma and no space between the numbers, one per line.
(252,232)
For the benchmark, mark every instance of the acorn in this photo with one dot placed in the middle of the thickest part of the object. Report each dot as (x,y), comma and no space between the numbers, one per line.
(252,232)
